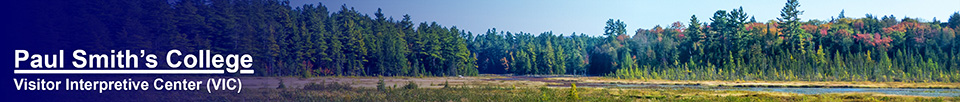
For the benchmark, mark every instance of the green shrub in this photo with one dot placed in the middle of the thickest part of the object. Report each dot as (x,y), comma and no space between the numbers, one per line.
(573,92)
(306,74)
(381,85)
(410,85)
(446,84)
(281,86)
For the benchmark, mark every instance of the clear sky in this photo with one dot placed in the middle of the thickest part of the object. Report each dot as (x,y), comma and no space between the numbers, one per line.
(589,16)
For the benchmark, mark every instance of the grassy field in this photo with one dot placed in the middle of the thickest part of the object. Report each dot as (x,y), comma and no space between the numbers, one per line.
(819,84)
(496,89)
(341,93)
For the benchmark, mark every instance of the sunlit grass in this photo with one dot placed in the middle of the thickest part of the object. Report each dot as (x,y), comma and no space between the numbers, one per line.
(393,89)
(524,94)
(824,84)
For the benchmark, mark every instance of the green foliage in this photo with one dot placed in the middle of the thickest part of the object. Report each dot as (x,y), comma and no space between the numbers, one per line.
(410,85)
(790,25)
(446,84)
(381,85)
(954,20)
(846,49)
(281,86)
(573,92)
(285,40)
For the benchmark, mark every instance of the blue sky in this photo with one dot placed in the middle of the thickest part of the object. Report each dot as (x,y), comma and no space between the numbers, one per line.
(589,16)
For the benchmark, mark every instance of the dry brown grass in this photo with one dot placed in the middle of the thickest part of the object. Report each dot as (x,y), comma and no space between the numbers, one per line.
(371,82)
(482,89)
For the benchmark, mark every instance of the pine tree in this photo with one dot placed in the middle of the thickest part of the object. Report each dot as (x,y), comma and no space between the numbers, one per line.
(790,25)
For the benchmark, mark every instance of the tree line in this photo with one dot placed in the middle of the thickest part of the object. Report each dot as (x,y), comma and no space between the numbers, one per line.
(307,41)
(736,47)
(310,40)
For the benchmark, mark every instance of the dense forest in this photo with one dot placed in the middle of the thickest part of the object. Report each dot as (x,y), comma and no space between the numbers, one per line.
(735,47)
(304,41)
(310,40)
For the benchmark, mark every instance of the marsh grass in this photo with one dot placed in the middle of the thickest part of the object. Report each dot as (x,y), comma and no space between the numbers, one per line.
(492,91)
(503,94)
(335,86)
(794,84)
